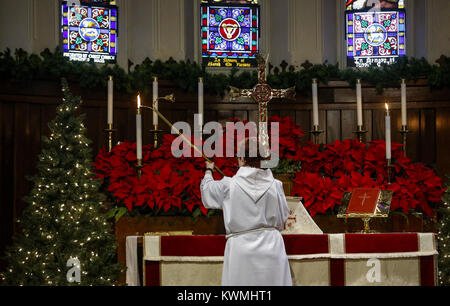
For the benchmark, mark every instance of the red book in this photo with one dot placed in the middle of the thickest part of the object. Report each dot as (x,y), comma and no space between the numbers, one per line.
(364,201)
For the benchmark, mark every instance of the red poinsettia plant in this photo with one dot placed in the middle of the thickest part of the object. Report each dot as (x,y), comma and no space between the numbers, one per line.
(330,170)
(170,185)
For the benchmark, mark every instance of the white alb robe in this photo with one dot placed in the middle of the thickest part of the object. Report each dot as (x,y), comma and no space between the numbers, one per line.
(251,200)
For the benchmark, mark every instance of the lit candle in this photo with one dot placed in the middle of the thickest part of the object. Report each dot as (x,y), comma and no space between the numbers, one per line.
(388,134)
(138,129)
(404,109)
(359,103)
(155,100)
(200,102)
(110,100)
(315,103)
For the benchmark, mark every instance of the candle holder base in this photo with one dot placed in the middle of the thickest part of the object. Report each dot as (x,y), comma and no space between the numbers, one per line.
(139,167)
(316,133)
(389,167)
(360,133)
(110,132)
(404,131)
(156,133)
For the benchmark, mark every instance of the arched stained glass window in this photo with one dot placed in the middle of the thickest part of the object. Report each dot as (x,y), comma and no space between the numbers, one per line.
(376,32)
(89,30)
(230,33)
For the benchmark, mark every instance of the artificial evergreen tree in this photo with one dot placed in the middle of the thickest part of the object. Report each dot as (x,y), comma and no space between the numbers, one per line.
(65,240)
(444,240)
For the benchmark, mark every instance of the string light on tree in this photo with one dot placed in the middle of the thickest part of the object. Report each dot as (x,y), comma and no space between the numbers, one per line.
(69,221)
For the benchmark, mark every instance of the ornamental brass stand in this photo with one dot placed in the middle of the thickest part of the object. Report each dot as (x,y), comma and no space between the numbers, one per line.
(404,131)
(360,132)
(316,133)
(155,133)
(382,210)
(110,131)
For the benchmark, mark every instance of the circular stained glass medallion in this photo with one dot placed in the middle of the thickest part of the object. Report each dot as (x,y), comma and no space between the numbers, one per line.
(89,29)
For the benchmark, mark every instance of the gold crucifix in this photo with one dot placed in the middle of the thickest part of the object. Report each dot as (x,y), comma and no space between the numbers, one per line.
(262,93)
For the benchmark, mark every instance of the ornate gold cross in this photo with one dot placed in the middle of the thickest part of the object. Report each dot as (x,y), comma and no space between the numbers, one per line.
(262,93)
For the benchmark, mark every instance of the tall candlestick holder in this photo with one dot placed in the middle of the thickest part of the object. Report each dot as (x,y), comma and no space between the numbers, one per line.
(404,131)
(110,132)
(156,131)
(360,132)
(389,167)
(139,167)
(316,133)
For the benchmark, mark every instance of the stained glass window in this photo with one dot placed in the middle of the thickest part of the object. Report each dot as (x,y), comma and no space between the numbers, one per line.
(89,30)
(230,33)
(376,32)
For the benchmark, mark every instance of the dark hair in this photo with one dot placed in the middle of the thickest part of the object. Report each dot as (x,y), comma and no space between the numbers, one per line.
(254,162)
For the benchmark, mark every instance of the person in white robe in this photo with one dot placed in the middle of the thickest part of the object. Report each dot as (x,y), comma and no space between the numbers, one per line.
(255,211)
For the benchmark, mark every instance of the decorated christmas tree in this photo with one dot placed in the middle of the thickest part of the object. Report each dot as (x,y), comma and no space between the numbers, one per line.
(64,238)
(444,240)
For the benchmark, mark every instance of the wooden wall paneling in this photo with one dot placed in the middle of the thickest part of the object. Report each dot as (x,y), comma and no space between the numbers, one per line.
(303,120)
(131,127)
(24,161)
(333,126)
(368,124)
(102,124)
(210,115)
(121,124)
(396,125)
(348,124)
(7,181)
(323,125)
(253,115)
(428,136)
(273,112)
(224,116)
(378,124)
(413,137)
(443,141)
(241,115)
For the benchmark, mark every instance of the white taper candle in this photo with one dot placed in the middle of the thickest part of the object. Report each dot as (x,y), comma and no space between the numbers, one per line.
(110,100)
(388,134)
(315,103)
(359,103)
(138,129)
(404,108)
(155,100)
(200,101)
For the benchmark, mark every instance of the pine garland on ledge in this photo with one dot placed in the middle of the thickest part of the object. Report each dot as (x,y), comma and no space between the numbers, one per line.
(20,66)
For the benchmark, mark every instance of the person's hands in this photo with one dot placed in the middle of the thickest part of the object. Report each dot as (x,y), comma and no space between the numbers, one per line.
(210,165)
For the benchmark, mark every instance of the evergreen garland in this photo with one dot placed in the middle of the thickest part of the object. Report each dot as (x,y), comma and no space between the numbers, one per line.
(63,227)
(21,66)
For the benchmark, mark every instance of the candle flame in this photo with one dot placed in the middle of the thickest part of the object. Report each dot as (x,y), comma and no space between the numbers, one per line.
(139,101)
(387,106)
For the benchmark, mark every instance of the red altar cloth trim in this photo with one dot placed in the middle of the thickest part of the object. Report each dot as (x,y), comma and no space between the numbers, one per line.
(200,246)
(307,244)
(381,243)
(193,246)
(428,273)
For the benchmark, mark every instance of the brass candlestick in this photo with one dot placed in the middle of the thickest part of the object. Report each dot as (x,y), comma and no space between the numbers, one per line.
(404,131)
(110,131)
(316,133)
(155,133)
(360,132)
(139,167)
(389,167)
